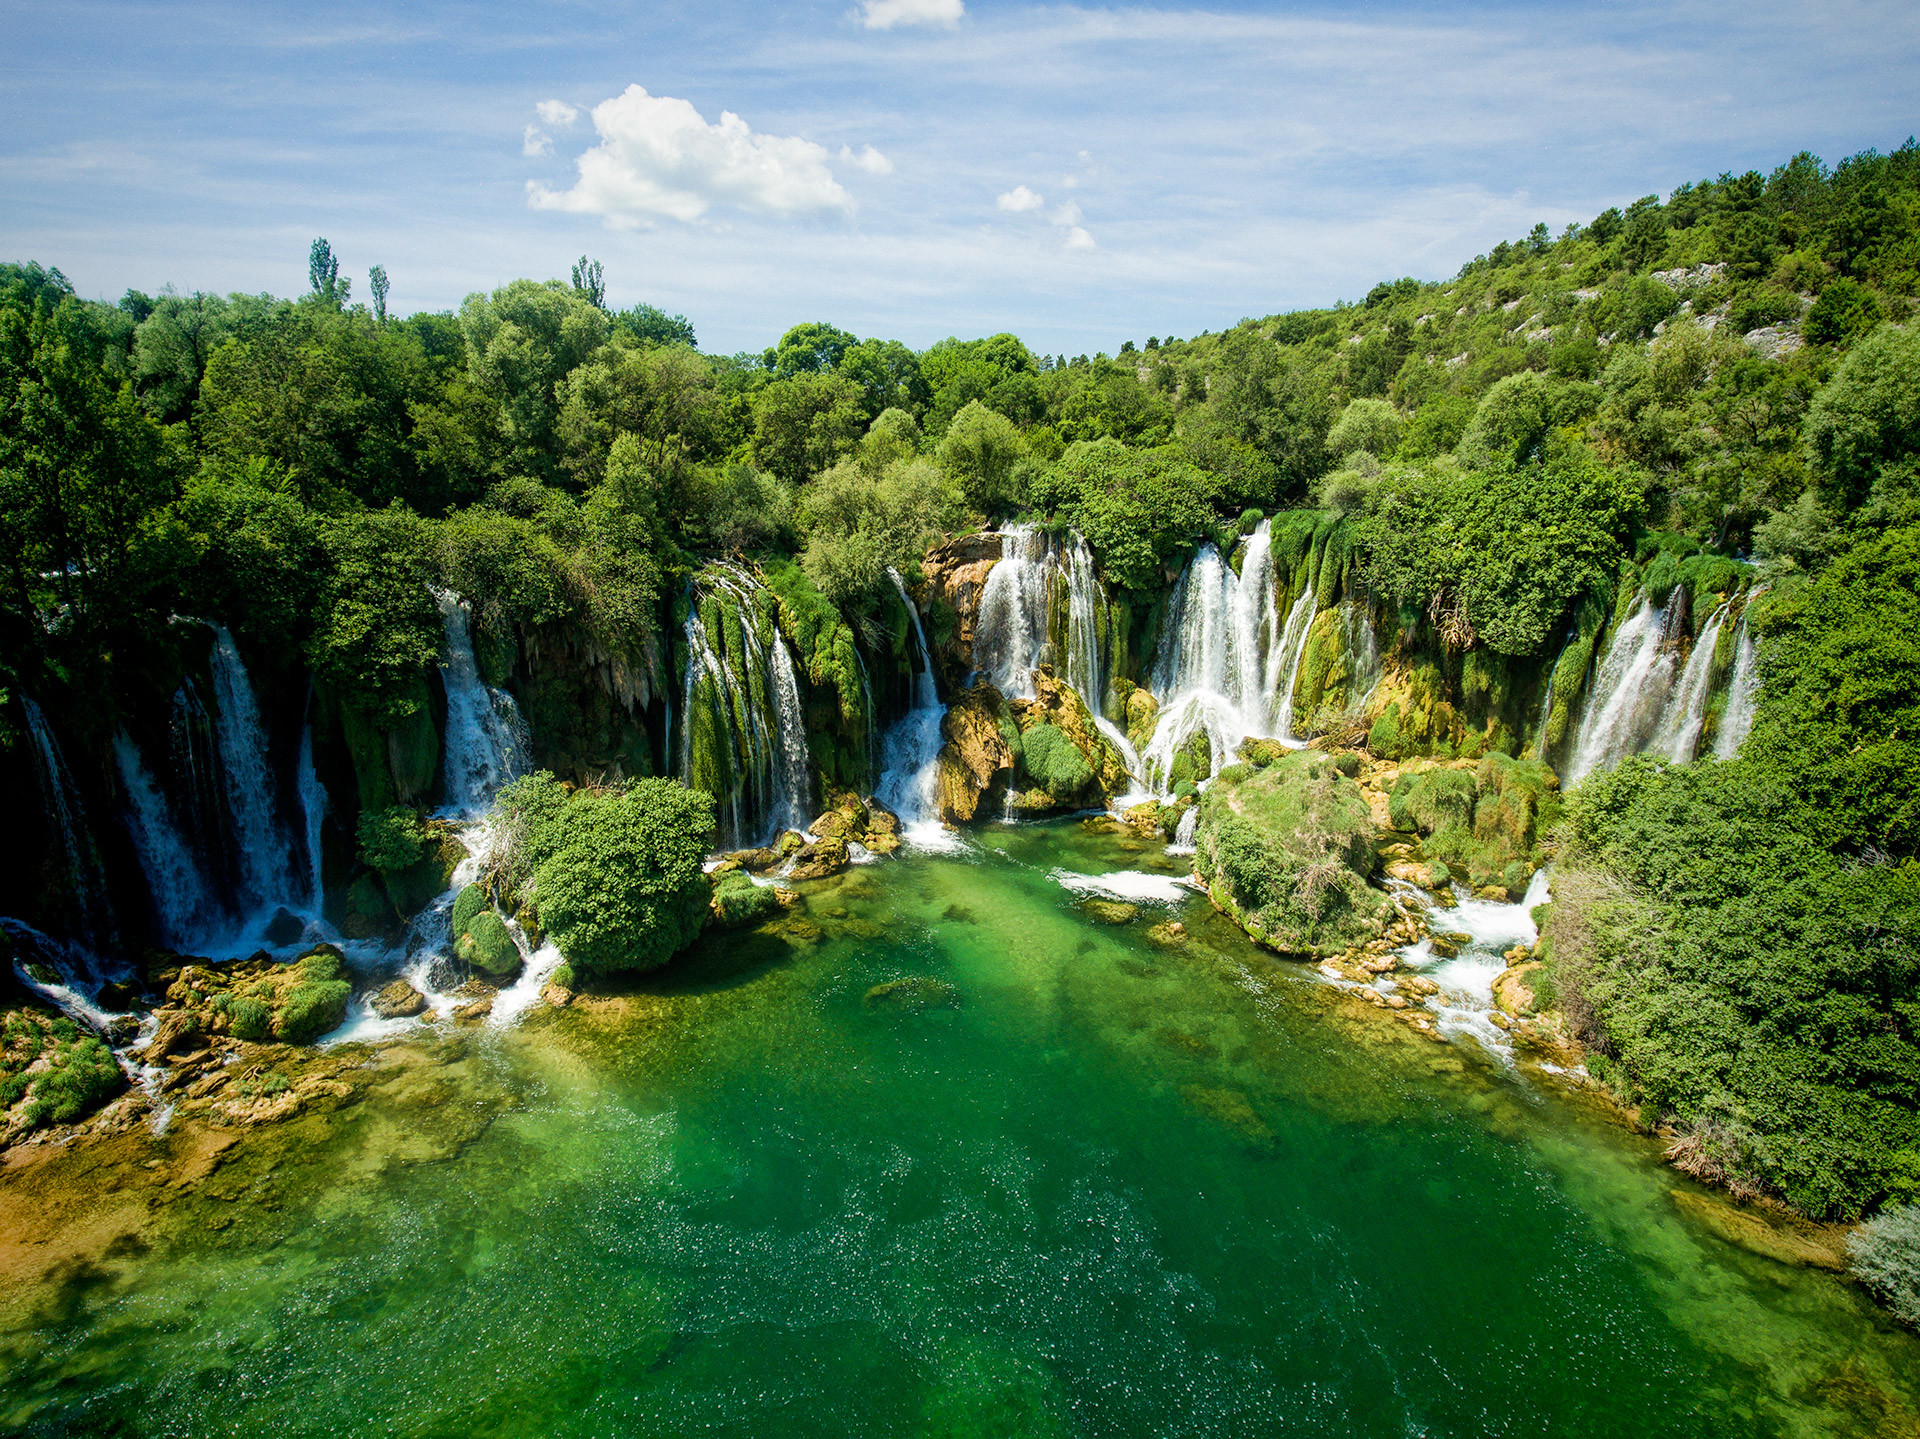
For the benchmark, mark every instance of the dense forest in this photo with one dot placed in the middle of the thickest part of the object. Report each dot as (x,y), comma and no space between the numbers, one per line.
(1718,393)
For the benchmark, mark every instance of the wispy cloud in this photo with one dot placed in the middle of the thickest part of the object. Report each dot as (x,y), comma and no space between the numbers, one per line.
(1020,199)
(869,159)
(886,14)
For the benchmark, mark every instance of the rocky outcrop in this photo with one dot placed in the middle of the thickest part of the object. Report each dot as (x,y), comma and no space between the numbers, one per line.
(1056,706)
(956,574)
(1286,849)
(398,1000)
(978,756)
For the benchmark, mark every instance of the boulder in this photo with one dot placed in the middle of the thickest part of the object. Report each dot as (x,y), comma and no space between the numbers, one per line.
(284,928)
(818,860)
(977,755)
(488,944)
(398,1000)
(1512,992)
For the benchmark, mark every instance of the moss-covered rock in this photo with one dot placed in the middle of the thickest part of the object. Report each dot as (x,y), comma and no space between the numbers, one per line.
(311,997)
(51,1070)
(487,944)
(1052,762)
(1489,818)
(739,902)
(469,902)
(1286,850)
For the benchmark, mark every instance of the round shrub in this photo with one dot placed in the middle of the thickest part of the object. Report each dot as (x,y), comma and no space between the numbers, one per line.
(82,1076)
(1347,763)
(617,872)
(1055,763)
(738,901)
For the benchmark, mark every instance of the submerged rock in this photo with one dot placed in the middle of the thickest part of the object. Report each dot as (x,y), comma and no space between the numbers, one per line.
(398,1000)
(1110,911)
(912,995)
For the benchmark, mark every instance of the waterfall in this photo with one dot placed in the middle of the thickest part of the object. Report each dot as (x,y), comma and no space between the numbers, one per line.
(1737,719)
(1010,637)
(1685,714)
(313,808)
(1630,689)
(183,900)
(742,687)
(60,800)
(793,783)
(910,785)
(264,853)
(1226,662)
(486,741)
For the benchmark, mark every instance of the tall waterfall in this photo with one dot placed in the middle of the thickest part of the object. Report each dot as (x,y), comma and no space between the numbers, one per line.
(183,899)
(1685,713)
(1227,660)
(1010,637)
(60,799)
(313,808)
(264,852)
(1737,720)
(743,697)
(910,783)
(1629,689)
(486,742)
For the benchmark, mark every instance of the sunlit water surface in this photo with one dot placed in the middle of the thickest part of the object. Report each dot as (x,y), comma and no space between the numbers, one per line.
(1113,1188)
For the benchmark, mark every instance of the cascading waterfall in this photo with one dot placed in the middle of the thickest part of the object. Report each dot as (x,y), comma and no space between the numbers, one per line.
(1010,636)
(1685,713)
(60,797)
(793,783)
(910,783)
(313,808)
(1737,720)
(1227,661)
(486,741)
(265,871)
(183,899)
(1629,690)
(742,689)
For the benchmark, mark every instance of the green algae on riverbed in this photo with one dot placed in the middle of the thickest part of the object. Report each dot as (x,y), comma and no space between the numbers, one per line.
(1108,1186)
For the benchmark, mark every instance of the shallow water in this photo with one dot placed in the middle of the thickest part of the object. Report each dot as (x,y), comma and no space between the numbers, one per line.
(1112,1189)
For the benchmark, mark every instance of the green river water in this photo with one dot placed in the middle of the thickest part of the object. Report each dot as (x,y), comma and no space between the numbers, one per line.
(1118,1189)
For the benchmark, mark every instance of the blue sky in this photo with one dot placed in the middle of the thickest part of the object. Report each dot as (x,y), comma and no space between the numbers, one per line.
(1080,174)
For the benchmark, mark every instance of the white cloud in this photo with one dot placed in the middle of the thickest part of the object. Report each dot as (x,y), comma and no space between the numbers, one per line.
(658,158)
(1067,214)
(1079,239)
(885,14)
(869,159)
(534,141)
(557,113)
(1020,198)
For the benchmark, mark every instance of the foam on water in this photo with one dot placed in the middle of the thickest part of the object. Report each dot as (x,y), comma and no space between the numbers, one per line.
(1132,885)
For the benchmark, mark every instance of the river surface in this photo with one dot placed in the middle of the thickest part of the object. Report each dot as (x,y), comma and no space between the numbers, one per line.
(1101,1186)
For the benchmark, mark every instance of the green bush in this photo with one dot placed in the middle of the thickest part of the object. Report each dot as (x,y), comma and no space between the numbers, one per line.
(248,1016)
(739,902)
(1845,309)
(1383,739)
(1885,1256)
(1741,977)
(618,872)
(1436,800)
(391,839)
(1055,763)
(83,1075)
(563,976)
(1347,763)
